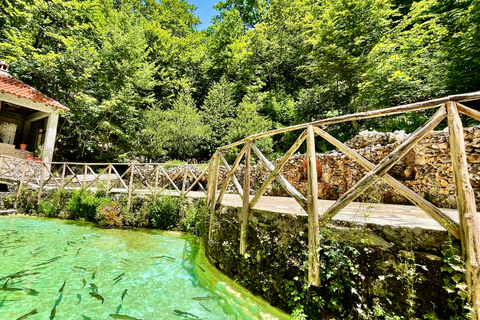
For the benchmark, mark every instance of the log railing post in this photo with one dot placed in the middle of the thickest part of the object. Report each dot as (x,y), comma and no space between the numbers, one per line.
(469,229)
(109,177)
(130,187)
(213,191)
(85,171)
(312,210)
(246,200)
(20,185)
(62,181)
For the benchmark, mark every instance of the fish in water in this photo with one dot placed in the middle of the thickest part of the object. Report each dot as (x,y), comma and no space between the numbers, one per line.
(25,316)
(97,296)
(124,293)
(53,312)
(81,268)
(184,314)
(119,276)
(31,292)
(94,273)
(93,287)
(63,286)
(120,307)
(84,283)
(164,257)
(14,275)
(204,298)
(78,251)
(122,316)
(79,296)
(203,270)
(4,252)
(86,318)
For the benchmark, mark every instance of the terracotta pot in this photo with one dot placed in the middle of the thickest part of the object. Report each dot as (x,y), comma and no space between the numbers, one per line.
(29,158)
(23,146)
(38,159)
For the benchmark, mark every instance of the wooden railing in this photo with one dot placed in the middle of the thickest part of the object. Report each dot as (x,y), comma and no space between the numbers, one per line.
(130,178)
(449,107)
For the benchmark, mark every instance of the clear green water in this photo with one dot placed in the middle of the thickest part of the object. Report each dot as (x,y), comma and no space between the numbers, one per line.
(160,273)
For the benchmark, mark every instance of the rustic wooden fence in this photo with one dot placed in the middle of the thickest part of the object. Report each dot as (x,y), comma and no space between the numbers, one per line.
(129,178)
(448,107)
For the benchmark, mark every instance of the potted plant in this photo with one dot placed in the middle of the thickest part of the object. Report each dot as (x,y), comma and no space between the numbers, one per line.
(39,153)
(23,146)
(29,158)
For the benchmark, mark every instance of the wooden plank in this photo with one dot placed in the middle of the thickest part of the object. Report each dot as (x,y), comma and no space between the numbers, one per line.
(246,199)
(130,187)
(214,185)
(233,177)
(302,201)
(230,174)
(469,227)
(278,168)
(156,181)
(383,166)
(40,187)
(312,210)
(444,220)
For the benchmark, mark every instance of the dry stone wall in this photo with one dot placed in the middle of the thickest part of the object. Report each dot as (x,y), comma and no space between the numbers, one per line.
(427,169)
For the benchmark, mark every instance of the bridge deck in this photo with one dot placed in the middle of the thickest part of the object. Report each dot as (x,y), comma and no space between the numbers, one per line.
(381,214)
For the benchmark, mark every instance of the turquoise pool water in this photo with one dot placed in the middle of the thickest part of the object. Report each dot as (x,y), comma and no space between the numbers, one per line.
(56,269)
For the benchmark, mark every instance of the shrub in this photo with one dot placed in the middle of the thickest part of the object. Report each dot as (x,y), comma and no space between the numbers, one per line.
(110,214)
(84,204)
(193,219)
(165,212)
(8,202)
(28,201)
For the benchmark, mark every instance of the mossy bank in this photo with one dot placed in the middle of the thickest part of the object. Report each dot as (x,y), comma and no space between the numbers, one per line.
(367,271)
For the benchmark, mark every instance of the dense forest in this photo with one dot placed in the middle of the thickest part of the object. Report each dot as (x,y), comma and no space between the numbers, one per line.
(143,83)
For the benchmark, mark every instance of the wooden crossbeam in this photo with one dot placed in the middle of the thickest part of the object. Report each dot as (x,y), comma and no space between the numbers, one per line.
(444,220)
(383,166)
(282,181)
(231,174)
(233,177)
(278,168)
(97,177)
(197,180)
(171,181)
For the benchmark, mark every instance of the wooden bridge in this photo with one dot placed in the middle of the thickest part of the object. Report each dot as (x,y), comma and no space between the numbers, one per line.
(215,181)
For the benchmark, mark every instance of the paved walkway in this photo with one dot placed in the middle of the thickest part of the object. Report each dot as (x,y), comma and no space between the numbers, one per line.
(381,214)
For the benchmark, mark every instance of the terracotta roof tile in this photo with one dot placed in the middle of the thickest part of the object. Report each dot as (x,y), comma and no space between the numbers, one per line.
(10,85)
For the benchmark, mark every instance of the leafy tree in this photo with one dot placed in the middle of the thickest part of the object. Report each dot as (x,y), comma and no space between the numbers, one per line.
(178,132)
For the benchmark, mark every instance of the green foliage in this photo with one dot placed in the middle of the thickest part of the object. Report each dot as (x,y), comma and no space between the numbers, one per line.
(83,205)
(193,220)
(165,212)
(179,130)
(8,202)
(109,214)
